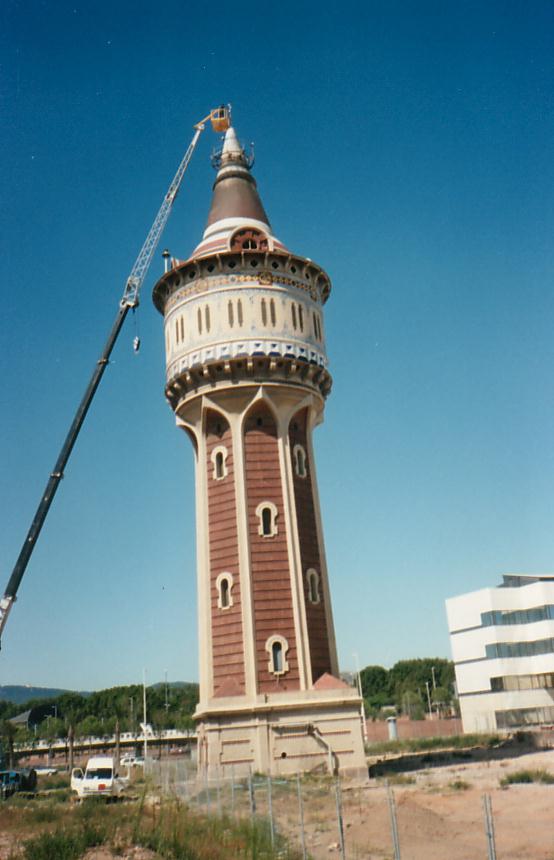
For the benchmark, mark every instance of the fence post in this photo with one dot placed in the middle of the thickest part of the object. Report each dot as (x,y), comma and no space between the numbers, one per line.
(339,819)
(301,816)
(270,810)
(207,788)
(251,795)
(393,823)
(489,827)
(218,789)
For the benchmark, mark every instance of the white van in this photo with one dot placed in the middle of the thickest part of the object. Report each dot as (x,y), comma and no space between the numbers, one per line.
(98,780)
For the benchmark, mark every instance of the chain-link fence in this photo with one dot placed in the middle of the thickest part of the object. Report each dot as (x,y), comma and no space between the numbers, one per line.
(368,820)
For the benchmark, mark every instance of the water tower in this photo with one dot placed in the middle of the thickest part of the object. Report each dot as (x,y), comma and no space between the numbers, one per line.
(247,379)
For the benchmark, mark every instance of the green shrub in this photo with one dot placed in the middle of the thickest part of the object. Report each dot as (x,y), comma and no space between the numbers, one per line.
(63,844)
(527,776)
(459,785)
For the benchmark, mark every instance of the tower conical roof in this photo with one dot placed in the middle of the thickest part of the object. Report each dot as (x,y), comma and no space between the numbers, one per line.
(236,203)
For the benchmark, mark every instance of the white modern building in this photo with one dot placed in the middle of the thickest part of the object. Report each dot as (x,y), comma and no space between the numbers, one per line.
(502,643)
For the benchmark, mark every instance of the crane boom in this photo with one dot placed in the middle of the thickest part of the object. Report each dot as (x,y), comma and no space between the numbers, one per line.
(130,299)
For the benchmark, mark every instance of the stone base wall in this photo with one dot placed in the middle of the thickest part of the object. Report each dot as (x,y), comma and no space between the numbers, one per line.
(284,739)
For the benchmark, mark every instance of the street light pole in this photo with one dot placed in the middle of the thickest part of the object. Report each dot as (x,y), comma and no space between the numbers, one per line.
(429,699)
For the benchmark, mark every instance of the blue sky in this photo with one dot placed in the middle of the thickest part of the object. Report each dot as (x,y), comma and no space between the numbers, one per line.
(407,148)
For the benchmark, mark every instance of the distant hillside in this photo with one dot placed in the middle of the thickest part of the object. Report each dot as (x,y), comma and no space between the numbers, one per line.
(19,695)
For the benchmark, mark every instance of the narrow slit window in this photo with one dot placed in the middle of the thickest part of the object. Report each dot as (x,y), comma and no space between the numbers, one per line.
(301,317)
(272,312)
(199,317)
(230,314)
(224,590)
(239,311)
(312,577)
(299,461)
(315,326)
(182,327)
(264,312)
(207,314)
(277,647)
(294,323)
(267,519)
(219,462)
(277,657)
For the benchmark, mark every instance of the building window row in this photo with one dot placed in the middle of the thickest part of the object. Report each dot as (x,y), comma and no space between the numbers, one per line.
(543,681)
(499,617)
(235,316)
(519,649)
(510,719)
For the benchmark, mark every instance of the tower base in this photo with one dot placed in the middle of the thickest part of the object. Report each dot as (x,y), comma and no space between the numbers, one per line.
(283,734)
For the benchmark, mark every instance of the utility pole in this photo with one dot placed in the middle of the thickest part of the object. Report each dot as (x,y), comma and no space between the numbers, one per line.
(433,676)
(144,714)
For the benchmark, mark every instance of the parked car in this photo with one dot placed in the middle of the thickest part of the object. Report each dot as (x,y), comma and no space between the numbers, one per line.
(98,780)
(132,761)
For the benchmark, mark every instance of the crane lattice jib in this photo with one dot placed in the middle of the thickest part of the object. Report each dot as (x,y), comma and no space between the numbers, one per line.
(142,263)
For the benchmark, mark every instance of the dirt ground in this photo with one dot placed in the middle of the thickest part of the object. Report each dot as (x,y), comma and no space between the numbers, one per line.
(439,815)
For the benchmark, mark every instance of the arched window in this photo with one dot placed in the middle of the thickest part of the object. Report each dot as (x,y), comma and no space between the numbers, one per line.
(249,245)
(219,462)
(299,459)
(267,516)
(224,586)
(277,647)
(272,311)
(312,578)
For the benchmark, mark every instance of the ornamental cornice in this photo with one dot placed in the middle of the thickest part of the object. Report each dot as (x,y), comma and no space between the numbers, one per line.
(221,282)
(243,348)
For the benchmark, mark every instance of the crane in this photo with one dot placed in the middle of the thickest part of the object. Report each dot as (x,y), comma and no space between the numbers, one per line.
(220,119)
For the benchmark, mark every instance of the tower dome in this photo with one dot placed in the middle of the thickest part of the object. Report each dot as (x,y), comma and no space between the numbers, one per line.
(242,306)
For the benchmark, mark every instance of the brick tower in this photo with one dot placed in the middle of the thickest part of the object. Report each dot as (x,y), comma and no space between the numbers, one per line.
(247,379)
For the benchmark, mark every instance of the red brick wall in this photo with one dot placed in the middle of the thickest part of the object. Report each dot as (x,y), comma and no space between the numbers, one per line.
(271,588)
(378,731)
(227,635)
(309,551)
